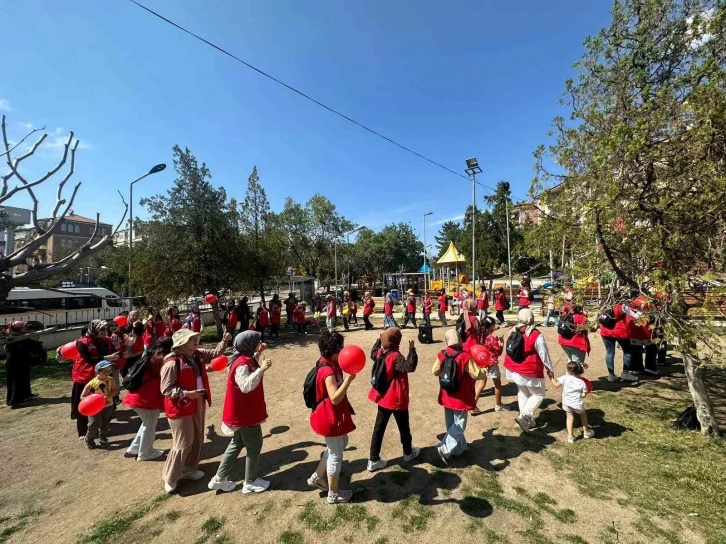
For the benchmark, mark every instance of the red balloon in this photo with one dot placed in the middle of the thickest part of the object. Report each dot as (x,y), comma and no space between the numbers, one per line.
(91,405)
(588,384)
(219,363)
(69,351)
(352,359)
(121,320)
(210,298)
(482,357)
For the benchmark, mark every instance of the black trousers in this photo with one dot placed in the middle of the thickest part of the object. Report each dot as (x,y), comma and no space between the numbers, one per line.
(302,328)
(662,352)
(636,357)
(367,321)
(379,429)
(500,316)
(81,420)
(354,319)
(275,330)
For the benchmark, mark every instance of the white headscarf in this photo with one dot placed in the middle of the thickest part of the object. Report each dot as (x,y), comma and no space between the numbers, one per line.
(525,318)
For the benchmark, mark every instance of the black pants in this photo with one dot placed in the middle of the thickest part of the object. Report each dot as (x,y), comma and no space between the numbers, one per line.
(346,321)
(427,319)
(354,319)
(636,357)
(81,420)
(289,320)
(367,321)
(379,429)
(302,328)
(410,316)
(500,316)
(17,375)
(275,330)
(662,352)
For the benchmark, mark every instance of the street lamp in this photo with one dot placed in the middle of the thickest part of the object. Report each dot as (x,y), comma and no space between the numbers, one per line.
(347,235)
(505,186)
(426,273)
(472,169)
(154,170)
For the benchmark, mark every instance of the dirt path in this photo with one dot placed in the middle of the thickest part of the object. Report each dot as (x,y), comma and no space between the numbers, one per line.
(503,490)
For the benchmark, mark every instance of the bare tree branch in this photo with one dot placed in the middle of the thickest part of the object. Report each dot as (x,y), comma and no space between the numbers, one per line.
(28,135)
(126,210)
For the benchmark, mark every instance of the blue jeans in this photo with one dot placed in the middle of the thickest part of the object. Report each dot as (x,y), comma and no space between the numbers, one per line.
(546,322)
(454,442)
(610,353)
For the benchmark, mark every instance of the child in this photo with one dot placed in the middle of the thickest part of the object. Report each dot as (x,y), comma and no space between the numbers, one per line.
(332,417)
(573,391)
(394,401)
(427,306)
(550,310)
(495,347)
(263,320)
(300,311)
(102,384)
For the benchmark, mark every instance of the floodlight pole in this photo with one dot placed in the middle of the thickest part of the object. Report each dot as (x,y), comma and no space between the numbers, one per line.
(472,169)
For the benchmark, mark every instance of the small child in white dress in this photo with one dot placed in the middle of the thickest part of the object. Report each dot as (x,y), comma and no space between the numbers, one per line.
(574,391)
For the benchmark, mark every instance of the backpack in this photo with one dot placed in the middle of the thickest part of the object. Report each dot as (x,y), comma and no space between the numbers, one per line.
(448,373)
(507,304)
(310,387)
(687,420)
(566,327)
(134,378)
(378,374)
(461,328)
(607,319)
(515,345)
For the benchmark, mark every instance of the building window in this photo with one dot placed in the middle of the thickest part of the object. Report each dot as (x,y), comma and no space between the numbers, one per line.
(63,227)
(63,243)
(103,232)
(78,229)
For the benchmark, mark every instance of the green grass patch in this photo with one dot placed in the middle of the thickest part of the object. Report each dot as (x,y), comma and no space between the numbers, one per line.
(210,528)
(49,374)
(649,529)
(356,514)
(18,523)
(413,515)
(118,524)
(291,537)
(173,515)
(492,537)
(381,540)
(575,539)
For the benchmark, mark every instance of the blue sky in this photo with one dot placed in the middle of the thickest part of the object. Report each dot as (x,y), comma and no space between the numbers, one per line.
(450,80)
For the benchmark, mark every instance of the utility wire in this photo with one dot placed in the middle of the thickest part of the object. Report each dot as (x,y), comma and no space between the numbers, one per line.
(308,97)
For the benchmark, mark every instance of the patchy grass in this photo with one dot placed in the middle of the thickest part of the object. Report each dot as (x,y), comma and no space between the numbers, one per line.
(210,528)
(649,457)
(106,530)
(381,540)
(649,529)
(173,515)
(50,374)
(354,514)
(19,523)
(414,516)
(575,539)
(291,537)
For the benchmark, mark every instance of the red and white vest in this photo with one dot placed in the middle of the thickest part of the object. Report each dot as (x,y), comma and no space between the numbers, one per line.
(532,366)
(243,409)
(187,380)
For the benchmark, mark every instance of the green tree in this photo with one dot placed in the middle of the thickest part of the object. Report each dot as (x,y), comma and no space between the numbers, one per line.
(450,232)
(642,157)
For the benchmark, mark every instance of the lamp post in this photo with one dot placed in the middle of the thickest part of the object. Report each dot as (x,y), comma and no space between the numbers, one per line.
(472,169)
(509,248)
(154,170)
(347,235)
(426,273)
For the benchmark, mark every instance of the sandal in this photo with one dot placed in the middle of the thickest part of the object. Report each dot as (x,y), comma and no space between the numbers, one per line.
(476,412)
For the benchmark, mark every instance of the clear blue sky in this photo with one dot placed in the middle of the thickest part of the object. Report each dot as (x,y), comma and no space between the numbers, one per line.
(449,79)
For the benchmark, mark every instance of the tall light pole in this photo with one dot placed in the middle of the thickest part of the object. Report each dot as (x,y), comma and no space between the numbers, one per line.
(154,170)
(347,235)
(472,169)
(509,248)
(426,273)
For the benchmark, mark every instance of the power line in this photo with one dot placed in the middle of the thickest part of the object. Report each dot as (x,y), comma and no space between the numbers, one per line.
(300,93)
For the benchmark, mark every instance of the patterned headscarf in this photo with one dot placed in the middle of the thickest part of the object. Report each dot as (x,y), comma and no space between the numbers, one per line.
(95,326)
(17,327)
(469,306)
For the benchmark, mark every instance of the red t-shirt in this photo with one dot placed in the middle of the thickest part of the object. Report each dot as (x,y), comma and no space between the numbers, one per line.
(329,419)
(443,303)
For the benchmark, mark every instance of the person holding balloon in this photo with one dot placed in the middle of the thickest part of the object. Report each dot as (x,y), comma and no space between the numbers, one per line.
(185,386)
(98,421)
(92,348)
(391,396)
(492,349)
(332,416)
(243,413)
(173,323)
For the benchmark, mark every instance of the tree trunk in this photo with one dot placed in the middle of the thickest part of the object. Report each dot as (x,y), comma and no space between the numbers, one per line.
(697,387)
(217,318)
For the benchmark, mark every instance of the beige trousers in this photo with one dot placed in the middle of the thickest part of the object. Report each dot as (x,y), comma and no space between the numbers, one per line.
(187,435)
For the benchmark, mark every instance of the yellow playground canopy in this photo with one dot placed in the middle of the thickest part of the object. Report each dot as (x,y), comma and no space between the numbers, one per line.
(452,256)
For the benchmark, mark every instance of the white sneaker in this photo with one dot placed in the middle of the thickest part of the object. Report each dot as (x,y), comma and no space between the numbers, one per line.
(192,475)
(258,486)
(442,457)
(414,453)
(500,408)
(221,484)
(612,378)
(131,452)
(628,377)
(652,372)
(523,422)
(570,439)
(170,487)
(155,454)
(342,496)
(378,465)
(588,433)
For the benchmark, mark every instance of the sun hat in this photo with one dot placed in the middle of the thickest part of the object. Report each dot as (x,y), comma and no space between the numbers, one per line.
(181,337)
(103,365)
(410,291)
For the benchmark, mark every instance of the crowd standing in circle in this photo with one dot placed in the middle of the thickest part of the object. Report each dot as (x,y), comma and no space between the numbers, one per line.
(162,357)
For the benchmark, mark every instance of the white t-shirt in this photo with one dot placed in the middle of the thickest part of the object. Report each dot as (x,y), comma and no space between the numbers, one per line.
(572,390)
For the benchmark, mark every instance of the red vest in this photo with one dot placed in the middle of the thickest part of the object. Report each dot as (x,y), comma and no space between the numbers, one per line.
(84,371)
(299,315)
(388,308)
(368,306)
(331,308)
(465,398)
(232,320)
(532,366)
(187,380)
(196,323)
(396,398)
(264,318)
(443,303)
(148,396)
(524,301)
(243,409)
(427,304)
(328,419)
(621,327)
(580,340)
(494,346)
(471,336)
(176,324)
(499,299)
(483,302)
(275,312)
(411,304)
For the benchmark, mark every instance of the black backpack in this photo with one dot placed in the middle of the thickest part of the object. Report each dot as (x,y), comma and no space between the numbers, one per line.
(515,345)
(607,319)
(461,328)
(134,378)
(507,304)
(687,420)
(566,327)
(310,387)
(448,373)
(378,374)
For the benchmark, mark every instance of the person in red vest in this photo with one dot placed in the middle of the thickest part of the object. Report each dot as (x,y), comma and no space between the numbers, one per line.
(525,294)
(427,307)
(186,391)
(482,302)
(641,334)
(457,404)
(388,319)
(300,319)
(147,401)
(290,305)
(92,347)
(443,301)
(243,413)
(578,345)
(619,333)
(331,312)
(528,374)
(394,402)
(410,309)
(469,323)
(231,318)
(353,311)
(135,329)
(275,315)
(332,417)
(173,323)
(368,305)
(194,321)
(495,348)
(500,304)
(154,327)
(262,320)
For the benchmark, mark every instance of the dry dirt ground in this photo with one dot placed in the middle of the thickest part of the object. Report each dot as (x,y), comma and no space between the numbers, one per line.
(506,488)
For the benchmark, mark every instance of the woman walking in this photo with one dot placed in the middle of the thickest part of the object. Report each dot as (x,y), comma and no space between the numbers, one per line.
(482,302)
(443,301)
(528,373)
(388,319)
(147,401)
(243,311)
(495,348)
(500,304)
(186,391)
(331,311)
(410,309)
(21,354)
(243,413)
(368,305)
(574,341)
(525,294)
(616,331)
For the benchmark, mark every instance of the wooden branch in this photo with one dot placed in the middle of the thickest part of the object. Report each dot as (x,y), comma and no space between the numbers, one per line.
(123,217)
(608,253)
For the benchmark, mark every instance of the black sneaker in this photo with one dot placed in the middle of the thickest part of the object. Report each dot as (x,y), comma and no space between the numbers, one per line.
(103,442)
(91,444)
